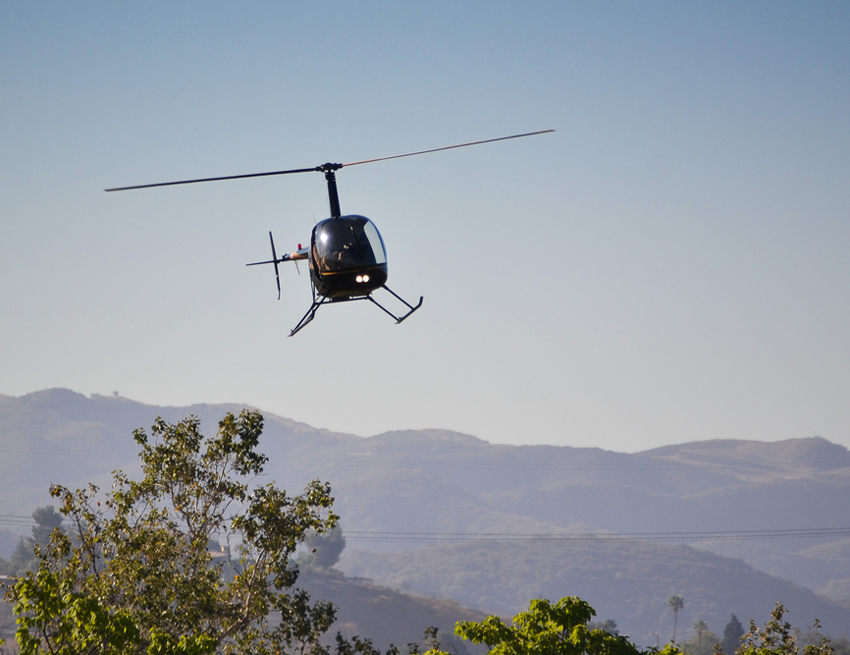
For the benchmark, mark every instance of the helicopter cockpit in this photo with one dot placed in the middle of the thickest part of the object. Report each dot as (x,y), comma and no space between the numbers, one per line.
(348,256)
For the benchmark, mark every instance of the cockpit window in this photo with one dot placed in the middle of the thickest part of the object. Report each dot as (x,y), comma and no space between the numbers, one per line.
(348,243)
(337,245)
(375,241)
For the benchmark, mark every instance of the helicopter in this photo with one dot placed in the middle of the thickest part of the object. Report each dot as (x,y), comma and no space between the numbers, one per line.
(346,257)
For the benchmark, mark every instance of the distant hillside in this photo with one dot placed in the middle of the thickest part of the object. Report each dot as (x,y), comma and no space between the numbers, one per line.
(384,615)
(628,582)
(405,489)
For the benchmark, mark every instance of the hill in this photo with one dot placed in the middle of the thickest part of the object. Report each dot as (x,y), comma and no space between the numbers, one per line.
(406,489)
(629,582)
(385,616)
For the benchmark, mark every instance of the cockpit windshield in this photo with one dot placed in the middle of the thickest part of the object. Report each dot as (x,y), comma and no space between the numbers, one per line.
(348,242)
(375,241)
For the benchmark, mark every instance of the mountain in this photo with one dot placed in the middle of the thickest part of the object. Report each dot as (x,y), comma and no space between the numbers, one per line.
(384,615)
(626,581)
(411,489)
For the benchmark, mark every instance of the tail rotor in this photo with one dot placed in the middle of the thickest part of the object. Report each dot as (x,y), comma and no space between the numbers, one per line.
(274,260)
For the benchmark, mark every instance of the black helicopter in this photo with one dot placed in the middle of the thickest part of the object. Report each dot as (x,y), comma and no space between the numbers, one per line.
(347,258)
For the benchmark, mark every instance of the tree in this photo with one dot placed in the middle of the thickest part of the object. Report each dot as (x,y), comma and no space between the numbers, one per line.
(361,646)
(732,634)
(703,642)
(23,557)
(676,602)
(777,638)
(608,625)
(46,520)
(136,576)
(548,629)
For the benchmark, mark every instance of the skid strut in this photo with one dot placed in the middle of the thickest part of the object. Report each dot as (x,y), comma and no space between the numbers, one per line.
(311,313)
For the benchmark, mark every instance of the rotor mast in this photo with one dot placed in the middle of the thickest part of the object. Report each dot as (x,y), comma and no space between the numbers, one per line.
(333,195)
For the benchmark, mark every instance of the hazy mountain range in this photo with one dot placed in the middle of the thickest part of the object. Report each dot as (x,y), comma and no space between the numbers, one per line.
(491,526)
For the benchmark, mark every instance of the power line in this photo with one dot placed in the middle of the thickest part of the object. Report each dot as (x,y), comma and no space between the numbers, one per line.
(555,538)
(13,519)
(506,537)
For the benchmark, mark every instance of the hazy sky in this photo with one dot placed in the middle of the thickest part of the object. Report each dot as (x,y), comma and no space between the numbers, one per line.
(672,264)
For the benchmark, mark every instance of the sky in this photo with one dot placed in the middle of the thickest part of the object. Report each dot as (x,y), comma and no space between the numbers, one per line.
(670,265)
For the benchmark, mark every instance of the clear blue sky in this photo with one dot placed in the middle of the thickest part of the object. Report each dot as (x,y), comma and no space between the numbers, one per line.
(672,264)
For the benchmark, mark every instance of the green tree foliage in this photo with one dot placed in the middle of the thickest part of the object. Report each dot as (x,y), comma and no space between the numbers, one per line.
(732,634)
(676,603)
(547,628)
(362,646)
(136,576)
(359,646)
(608,625)
(778,638)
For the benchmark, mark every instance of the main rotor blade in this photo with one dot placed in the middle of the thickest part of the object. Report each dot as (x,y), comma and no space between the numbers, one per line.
(217,179)
(458,145)
(324,167)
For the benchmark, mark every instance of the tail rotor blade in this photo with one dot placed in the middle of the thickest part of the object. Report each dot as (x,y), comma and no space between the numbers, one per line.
(275,260)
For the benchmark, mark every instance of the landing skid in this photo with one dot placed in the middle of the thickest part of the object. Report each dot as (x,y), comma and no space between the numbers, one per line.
(322,300)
